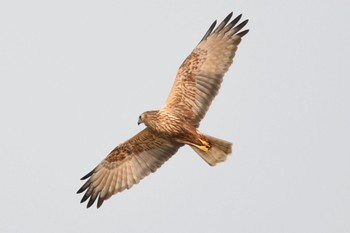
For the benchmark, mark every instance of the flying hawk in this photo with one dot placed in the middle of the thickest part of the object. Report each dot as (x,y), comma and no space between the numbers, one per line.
(176,124)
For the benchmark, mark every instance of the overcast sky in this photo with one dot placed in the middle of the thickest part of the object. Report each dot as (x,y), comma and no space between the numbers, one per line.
(75,75)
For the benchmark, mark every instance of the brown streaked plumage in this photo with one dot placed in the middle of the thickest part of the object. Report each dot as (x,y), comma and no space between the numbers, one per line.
(176,123)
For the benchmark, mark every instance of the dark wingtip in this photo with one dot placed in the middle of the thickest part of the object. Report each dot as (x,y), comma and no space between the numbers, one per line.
(91,201)
(235,20)
(80,190)
(223,23)
(84,187)
(245,22)
(89,204)
(243,33)
(87,175)
(211,28)
(240,26)
(85,197)
(226,27)
(228,17)
(100,202)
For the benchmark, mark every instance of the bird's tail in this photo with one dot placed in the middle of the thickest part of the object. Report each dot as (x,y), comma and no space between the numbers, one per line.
(218,151)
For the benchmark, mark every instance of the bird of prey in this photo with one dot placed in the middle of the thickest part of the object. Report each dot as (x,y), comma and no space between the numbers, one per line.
(176,124)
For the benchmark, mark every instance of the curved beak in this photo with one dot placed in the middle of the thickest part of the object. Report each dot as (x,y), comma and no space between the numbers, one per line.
(139,121)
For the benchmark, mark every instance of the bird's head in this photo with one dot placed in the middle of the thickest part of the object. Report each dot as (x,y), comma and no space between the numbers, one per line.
(147,117)
(141,119)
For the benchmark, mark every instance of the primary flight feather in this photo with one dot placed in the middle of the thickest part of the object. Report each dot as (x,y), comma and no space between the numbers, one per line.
(176,124)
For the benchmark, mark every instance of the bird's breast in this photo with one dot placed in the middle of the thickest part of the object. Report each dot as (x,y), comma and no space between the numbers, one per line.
(167,125)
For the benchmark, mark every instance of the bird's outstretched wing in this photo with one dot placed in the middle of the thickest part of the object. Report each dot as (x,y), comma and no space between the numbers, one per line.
(126,165)
(199,78)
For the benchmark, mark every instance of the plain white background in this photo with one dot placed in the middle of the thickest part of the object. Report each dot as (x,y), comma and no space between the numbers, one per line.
(75,75)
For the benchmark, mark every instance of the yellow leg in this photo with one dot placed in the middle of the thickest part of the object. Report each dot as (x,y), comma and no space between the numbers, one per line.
(204,147)
(205,143)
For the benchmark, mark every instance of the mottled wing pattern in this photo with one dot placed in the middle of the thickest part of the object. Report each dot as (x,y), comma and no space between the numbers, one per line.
(199,78)
(126,165)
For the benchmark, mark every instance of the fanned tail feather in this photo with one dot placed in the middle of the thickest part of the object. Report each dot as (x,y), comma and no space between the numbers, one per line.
(218,152)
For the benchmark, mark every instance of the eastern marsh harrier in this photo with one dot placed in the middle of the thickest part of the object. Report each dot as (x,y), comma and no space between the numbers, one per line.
(176,124)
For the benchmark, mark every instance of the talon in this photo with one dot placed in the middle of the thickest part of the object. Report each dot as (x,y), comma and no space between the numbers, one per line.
(206,145)
(203,148)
